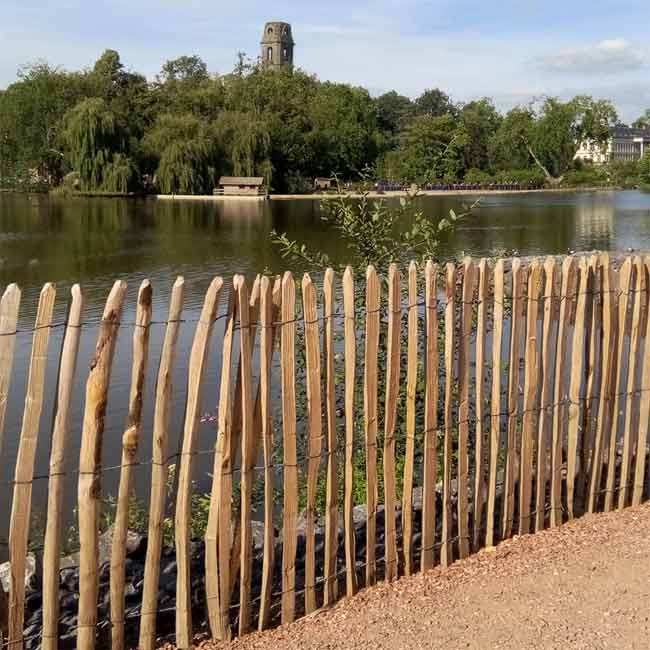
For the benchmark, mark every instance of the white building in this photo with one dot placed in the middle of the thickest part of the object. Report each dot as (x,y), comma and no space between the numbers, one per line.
(625,144)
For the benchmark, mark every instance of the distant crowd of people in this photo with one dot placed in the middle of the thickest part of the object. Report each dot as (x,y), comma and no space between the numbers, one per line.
(388,186)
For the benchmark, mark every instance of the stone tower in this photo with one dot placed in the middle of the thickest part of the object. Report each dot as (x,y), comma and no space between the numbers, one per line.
(277,44)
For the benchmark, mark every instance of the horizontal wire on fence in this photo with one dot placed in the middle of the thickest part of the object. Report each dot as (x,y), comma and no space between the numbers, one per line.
(304,458)
(438,304)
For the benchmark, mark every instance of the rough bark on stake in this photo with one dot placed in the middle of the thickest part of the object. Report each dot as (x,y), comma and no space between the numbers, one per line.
(89,488)
(350,382)
(531,385)
(516,327)
(290,480)
(21,505)
(469,279)
(56,483)
(607,386)
(390,416)
(159,469)
(198,360)
(430,476)
(495,406)
(248,447)
(130,441)
(235,442)
(620,387)
(546,399)
(370,419)
(9,306)
(411,387)
(642,439)
(479,455)
(560,394)
(331,505)
(592,378)
(217,537)
(315,428)
(269,307)
(632,408)
(575,382)
(446,551)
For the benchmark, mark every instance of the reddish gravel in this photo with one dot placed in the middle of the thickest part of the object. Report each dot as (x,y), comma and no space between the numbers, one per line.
(585,585)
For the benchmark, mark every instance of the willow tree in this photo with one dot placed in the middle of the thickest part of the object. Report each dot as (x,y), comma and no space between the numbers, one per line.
(186,152)
(246,142)
(92,137)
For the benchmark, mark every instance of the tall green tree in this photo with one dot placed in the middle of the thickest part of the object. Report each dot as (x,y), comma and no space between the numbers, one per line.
(185,154)
(434,103)
(96,147)
(479,121)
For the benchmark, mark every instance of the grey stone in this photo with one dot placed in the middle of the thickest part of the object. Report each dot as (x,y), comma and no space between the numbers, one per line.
(30,574)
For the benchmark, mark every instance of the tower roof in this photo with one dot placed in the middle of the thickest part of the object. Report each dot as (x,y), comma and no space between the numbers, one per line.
(275,31)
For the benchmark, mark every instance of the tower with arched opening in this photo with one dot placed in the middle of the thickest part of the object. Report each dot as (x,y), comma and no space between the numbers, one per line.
(277,44)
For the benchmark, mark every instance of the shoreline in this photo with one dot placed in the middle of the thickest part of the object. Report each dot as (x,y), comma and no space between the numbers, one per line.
(328,196)
(381,195)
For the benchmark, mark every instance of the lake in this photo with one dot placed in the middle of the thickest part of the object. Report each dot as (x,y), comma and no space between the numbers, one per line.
(96,241)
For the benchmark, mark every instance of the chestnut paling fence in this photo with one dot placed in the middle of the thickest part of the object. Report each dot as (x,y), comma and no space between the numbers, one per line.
(471,401)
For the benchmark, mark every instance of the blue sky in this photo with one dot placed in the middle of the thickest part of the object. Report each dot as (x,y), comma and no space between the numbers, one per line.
(509,50)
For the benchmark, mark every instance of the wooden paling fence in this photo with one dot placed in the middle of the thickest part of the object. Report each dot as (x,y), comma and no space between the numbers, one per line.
(472,401)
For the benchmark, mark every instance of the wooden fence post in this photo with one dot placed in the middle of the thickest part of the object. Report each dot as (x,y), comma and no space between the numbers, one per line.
(430,477)
(620,387)
(469,273)
(331,496)
(198,359)
(270,309)
(350,382)
(642,439)
(130,441)
(159,469)
(248,448)
(546,401)
(517,325)
(608,381)
(315,428)
(632,408)
(576,376)
(531,385)
(390,415)
(89,488)
(446,550)
(56,482)
(411,387)
(9,306)
(479,455)
(370,418)
(217,534)
(559,419)
(592,378)
(290,500)
(21,506)
(495,402)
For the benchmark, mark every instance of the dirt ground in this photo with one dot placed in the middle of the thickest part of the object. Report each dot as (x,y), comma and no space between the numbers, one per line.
(585,585)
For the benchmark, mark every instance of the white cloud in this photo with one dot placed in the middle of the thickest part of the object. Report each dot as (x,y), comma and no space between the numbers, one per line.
(608,56)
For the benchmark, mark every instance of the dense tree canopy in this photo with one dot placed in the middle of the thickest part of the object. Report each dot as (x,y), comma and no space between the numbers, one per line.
(178,133)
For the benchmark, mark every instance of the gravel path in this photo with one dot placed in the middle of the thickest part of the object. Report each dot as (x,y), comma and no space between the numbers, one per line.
(585,585)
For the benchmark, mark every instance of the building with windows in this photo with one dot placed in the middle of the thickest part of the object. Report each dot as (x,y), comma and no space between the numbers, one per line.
(625,144)
(277,44)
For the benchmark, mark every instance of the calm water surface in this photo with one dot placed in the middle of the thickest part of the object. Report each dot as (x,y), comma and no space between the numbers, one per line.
(96,241)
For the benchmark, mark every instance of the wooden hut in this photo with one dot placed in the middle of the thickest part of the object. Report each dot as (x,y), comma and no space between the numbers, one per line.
(241,186)
(322,184)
